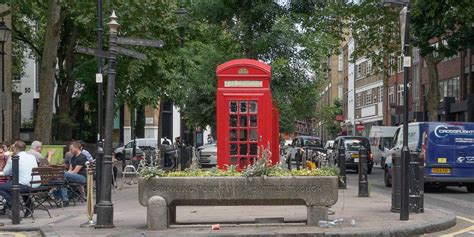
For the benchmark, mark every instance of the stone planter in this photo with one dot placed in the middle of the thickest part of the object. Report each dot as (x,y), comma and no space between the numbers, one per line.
(161,195)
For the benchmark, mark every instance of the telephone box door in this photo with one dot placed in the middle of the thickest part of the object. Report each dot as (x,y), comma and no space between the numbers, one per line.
(244,126)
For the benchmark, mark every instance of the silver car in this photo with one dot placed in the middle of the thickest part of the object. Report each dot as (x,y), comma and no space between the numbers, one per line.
(208,155)
(126,152)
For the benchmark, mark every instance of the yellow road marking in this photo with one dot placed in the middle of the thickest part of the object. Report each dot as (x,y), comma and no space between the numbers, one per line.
(465,219)
(463,230)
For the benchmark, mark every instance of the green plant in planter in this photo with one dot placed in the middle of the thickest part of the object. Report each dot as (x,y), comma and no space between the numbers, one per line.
(260,168)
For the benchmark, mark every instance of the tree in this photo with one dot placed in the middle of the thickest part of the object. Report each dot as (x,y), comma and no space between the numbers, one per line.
(440,29)
(328,117)
(55,18)
(269,31)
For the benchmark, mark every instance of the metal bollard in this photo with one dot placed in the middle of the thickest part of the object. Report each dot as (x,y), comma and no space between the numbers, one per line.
(15,190)
(416,198)
(342,168)
(90,197)
(363,163)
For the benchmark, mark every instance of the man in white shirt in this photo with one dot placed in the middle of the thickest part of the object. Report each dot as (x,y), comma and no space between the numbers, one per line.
(26,163)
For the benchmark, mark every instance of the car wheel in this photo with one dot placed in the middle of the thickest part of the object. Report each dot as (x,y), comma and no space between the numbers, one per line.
(387,178)
(470,188)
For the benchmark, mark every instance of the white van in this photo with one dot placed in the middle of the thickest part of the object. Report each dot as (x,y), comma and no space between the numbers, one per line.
(381,139)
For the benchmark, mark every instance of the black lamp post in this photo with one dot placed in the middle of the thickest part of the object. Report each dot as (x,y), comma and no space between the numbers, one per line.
(105,208)
(4,35)
(100,91)
(405,155)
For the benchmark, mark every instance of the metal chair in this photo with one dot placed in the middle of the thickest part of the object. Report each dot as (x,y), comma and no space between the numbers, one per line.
(131,172)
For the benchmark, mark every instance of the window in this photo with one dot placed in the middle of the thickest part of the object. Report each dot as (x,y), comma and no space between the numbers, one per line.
(368,97)
(340,91)
(340,62)
(358,100)
(400,63)
(369,67)
(381,94)
(449,88)
(391,95)
(400,94)
(391,64)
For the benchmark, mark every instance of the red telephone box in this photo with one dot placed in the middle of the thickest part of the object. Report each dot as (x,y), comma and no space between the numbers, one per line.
(244,112)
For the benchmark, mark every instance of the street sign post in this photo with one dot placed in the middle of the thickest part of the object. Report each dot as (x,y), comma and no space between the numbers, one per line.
(141,42)
(91,51)
(131,53)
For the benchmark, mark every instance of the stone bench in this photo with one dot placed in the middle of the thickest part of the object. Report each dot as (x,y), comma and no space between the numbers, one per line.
(161,195)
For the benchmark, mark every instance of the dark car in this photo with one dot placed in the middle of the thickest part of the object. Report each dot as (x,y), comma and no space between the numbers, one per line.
(352,144)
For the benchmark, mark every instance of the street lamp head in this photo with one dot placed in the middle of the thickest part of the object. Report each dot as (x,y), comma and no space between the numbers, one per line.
(4,32)
(113,24)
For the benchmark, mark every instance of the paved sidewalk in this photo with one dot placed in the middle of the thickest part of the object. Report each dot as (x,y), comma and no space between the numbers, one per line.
(372,216)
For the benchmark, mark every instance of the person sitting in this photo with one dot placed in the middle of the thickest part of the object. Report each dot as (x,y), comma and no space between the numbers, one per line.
(3,162)
(26,164)
(86,152)
(77,172)
(36,148)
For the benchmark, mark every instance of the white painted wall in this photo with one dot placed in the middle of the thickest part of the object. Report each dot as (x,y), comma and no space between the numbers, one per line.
(350,85)
(27,87)
(176,123)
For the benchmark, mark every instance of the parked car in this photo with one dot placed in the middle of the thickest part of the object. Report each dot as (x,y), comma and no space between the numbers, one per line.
(125,152)
(207,155)
(352,144)
(303,143)
(447,149)
(381,139)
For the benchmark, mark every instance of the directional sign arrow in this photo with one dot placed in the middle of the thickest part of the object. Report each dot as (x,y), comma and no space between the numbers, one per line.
(141,42)
(131,53)
(91,51)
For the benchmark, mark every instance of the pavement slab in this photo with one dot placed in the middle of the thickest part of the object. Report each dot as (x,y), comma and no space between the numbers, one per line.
(372,217)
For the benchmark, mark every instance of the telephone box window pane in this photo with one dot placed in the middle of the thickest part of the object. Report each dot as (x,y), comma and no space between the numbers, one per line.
(244,163)
(253,120)
(233,121)
(233,149)
(243,135)
(243,106)
(243,121)
(243,149)
(253,106)
(234,160)
(233,135)
(253,135)
(233,107)
(253,149)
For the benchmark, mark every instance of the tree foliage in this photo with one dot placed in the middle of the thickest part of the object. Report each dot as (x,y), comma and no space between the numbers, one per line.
(449,24)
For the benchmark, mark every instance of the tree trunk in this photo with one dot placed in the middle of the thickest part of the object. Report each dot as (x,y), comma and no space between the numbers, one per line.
(47,69)
(65,89)
(433,87)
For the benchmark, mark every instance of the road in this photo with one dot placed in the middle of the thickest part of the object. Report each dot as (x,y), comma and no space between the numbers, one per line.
(452,199)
